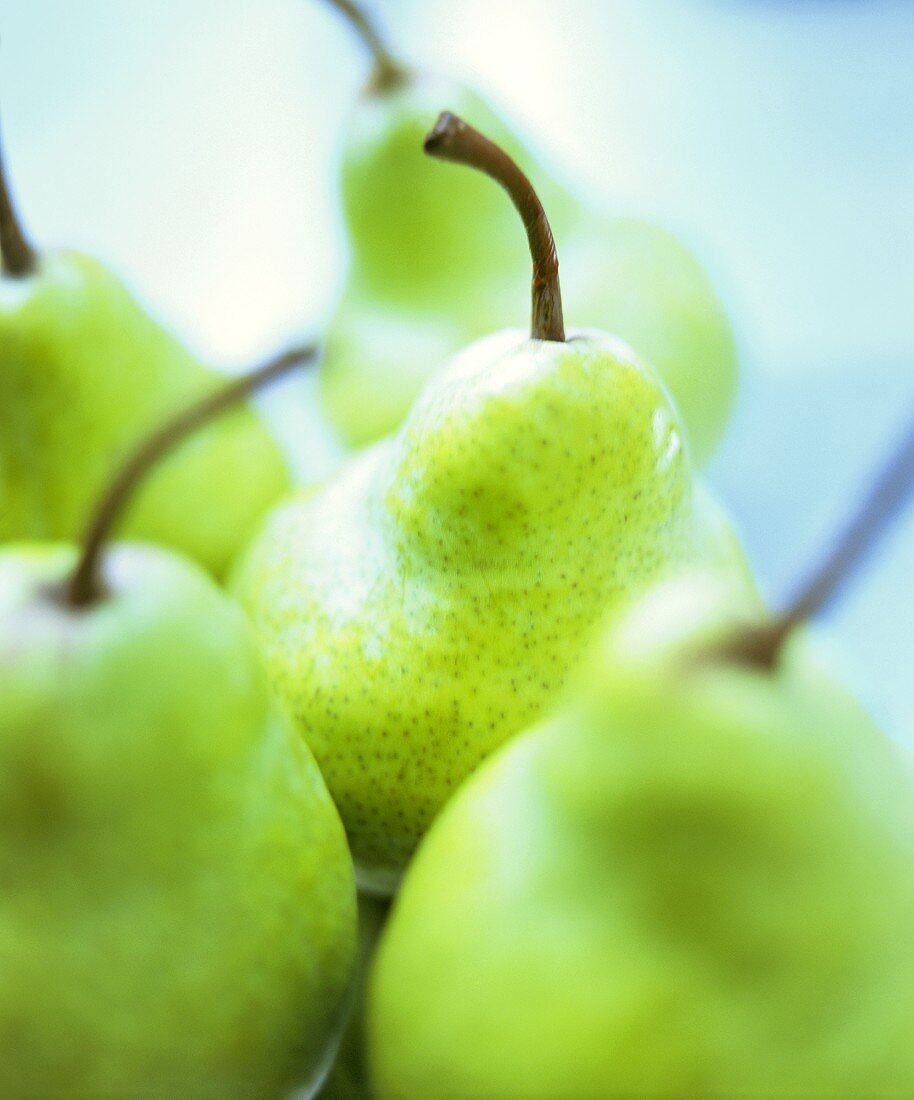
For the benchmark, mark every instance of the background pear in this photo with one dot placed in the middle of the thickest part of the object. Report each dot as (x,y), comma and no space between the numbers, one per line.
(428,601)
(84,372)
(430,274)
(696,878)
(178,912)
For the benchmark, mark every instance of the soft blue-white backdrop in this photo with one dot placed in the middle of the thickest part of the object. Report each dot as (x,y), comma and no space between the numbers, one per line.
(194,142)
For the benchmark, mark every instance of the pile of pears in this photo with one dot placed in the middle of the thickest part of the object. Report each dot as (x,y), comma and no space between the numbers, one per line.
(478,771)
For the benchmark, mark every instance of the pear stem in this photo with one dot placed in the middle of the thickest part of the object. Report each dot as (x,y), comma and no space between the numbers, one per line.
(455,140)
(388,72)
(881,506)
(18,256)
(84,586)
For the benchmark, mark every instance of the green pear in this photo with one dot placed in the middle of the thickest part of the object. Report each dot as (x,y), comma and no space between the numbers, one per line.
(178,916)
(178,912)
(696,878)
(427,602)
(84,371)
(435,263)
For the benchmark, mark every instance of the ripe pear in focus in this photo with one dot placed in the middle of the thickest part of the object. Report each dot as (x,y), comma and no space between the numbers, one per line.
(436,263)
(695,878)
(428,602)
(178,915)
(84,372)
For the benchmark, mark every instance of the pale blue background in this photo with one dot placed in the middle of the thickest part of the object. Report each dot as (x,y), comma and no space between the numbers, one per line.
(193,143)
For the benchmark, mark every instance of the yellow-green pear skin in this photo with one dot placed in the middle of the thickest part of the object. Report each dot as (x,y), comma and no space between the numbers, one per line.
(178,907)
(694,879)
(437,261)
(428,601)
(85,374)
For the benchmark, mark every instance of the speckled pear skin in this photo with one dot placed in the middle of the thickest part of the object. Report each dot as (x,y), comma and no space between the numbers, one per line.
(85,374)
(431,274)
(428,602)
(691,880)
(178,906)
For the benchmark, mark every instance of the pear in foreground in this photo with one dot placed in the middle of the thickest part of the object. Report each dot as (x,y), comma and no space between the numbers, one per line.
(695,879)
(428,602)
(84,372)
(429,275)
(178,912)
(178,917)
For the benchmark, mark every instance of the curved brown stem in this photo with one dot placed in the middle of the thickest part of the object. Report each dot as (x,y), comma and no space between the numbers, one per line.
(388,72)
(18,256)
(454,140)
(762,645)
(84,586)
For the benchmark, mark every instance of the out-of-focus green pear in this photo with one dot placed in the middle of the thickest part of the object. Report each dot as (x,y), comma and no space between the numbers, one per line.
(695,879)
(178,916)
(178,912)
(84,372)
